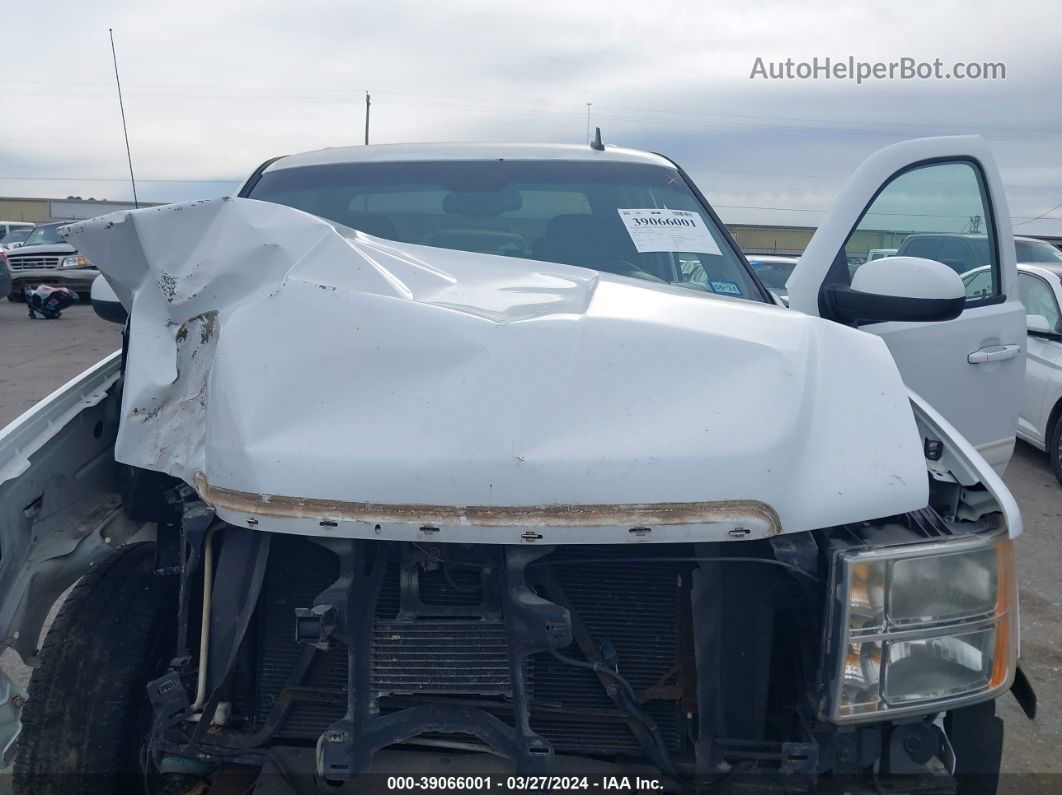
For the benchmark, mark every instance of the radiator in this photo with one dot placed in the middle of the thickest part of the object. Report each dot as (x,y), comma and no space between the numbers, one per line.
(634,606)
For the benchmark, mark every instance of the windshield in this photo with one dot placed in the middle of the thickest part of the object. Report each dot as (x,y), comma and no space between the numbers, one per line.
(634,220)
(17,235)
(44,235)
(1036,251)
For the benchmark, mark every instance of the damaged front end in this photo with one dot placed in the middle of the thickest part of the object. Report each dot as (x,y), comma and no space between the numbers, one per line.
(344,659)
(499,526)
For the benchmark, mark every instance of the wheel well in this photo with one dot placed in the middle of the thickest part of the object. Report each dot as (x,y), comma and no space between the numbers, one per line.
(1056,412)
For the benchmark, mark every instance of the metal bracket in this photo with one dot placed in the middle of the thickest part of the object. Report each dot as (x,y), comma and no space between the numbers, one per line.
(799,758)
(169,549)
(345,748)
(169,700)
(797,549)
(314,625)
(532,624)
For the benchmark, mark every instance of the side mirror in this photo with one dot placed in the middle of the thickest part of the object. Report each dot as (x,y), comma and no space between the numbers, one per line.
(908,289)
(105,303)
(1038,323)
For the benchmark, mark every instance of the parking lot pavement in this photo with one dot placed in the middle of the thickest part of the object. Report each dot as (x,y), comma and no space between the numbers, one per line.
(1036,746)
(38,356)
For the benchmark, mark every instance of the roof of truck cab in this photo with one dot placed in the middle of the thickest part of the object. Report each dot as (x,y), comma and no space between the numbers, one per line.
(393,153)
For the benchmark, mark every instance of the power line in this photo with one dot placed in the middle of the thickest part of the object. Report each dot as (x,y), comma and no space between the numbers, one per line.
(1037,218)
(528,108)
(702,124)
(343,95)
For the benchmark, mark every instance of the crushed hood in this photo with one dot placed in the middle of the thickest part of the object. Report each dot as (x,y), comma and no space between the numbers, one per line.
(309,378)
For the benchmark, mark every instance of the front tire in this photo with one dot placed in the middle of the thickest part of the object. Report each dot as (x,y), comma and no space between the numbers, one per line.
(1054,449)
(84,722)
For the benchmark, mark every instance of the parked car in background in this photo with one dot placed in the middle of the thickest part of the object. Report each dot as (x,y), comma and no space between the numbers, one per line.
(7,227)
(774,271)
(15,238)
(1040,289)
(1030,250)
(880,253)
(5,275)
(45,258)
(960,252)
(966,252)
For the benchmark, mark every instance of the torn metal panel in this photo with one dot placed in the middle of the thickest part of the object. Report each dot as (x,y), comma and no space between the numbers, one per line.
(274,353)
(961,463)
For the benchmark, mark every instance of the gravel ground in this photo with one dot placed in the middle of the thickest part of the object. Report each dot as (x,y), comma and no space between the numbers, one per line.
(39,356)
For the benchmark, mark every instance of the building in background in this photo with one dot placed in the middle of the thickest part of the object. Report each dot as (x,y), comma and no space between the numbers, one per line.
(783,240)
(752,238)
(792,240)
(39,211)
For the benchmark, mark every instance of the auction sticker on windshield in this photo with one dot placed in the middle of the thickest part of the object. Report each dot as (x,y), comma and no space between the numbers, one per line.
(668,230)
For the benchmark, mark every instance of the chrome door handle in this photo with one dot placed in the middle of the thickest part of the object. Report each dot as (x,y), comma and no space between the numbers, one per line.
(994,353)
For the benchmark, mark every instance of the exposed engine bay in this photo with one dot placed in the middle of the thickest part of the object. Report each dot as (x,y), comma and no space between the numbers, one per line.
(327,656)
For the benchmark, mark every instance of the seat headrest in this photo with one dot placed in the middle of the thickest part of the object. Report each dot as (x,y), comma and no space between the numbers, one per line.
(592,241)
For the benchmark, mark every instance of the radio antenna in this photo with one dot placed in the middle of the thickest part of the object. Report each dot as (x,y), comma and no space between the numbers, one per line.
(125,130)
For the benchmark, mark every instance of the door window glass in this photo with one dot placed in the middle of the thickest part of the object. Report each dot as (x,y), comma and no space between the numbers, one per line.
(1038,299)
(978,283)
(938,211)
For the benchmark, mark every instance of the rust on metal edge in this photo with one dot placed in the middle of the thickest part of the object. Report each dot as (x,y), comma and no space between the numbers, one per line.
(660,513)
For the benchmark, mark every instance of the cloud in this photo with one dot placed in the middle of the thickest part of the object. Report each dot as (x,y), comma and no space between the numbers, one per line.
(213,89)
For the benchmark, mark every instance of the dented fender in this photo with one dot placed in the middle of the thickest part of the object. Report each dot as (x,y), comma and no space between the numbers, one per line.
(60,512)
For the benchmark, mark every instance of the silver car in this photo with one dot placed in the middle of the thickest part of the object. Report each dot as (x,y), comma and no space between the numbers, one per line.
(46,258)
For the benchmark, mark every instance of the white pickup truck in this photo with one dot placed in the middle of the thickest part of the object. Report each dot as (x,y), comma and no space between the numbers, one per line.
(499,461)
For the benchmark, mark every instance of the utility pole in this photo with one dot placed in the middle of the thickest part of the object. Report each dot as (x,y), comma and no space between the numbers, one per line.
(125,131)
(368,104)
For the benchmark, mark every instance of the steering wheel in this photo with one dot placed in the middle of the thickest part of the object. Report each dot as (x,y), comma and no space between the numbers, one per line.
(635,272)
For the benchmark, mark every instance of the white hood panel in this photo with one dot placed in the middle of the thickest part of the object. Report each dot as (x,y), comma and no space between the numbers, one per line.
(306,377)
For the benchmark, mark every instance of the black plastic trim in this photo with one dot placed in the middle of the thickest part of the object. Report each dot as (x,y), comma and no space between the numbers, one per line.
(256,175)
(111,311)
(765,293)
(853,307)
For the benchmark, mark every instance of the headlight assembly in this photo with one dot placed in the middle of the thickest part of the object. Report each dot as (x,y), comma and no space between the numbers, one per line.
(75,261)
(921,627)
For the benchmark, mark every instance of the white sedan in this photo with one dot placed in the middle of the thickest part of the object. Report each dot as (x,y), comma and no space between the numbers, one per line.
(1040,290)
(774,271)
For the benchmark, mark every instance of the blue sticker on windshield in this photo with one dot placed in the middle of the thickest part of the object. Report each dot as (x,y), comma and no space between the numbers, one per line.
(757,264)
(725,288)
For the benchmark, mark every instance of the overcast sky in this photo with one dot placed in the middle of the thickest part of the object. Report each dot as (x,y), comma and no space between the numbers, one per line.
(214,88)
